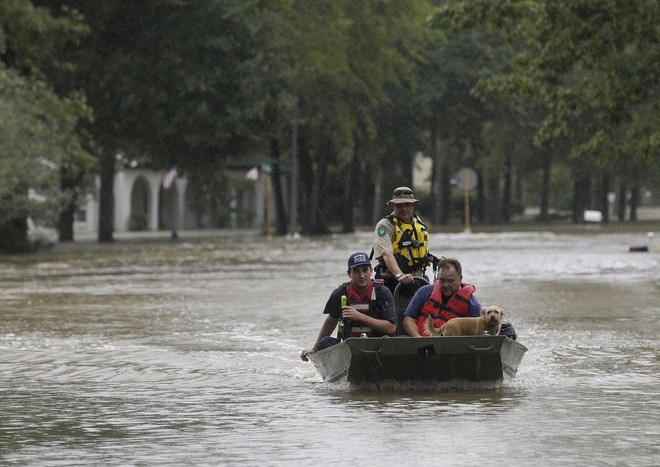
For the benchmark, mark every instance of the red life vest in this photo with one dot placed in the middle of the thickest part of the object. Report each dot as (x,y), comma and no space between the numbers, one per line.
(457,306)
(363,304)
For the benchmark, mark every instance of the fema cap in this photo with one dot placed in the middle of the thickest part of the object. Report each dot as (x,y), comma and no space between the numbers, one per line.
(358,259)
(403,194)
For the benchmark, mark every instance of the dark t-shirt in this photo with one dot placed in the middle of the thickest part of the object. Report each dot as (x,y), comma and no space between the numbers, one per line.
(384,301)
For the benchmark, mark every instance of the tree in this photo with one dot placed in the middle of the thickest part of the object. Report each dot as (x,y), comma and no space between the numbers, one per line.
(376,51)
(328,68)
(164,79)
(38,125)
(455,114)
(594,66)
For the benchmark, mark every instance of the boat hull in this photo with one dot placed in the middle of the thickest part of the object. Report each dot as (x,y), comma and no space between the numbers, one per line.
(469,358)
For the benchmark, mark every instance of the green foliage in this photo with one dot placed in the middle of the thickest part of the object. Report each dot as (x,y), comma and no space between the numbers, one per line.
(199,83)
(38,125)
(29,35)
(39,136)
(164,80)
(594,64)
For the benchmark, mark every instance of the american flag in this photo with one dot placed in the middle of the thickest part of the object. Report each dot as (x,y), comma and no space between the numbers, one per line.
(169,177)
(252,174)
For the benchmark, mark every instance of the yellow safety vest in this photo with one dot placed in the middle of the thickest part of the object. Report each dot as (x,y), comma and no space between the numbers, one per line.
(411,243)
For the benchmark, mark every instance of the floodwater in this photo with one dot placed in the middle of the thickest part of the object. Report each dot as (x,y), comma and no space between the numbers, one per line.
(187,353)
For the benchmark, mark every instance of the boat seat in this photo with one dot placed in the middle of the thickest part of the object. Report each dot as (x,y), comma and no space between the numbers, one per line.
(402,296)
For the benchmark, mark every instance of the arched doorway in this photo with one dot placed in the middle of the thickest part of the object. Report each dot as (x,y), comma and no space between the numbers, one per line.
(140,205)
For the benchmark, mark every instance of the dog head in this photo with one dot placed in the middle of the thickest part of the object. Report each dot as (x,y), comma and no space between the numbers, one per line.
(492,315)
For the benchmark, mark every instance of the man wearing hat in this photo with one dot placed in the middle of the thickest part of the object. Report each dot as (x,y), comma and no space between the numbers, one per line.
(401,241)
(368,310)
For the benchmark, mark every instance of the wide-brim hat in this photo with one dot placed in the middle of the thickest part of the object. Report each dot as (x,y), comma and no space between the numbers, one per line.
(403,194)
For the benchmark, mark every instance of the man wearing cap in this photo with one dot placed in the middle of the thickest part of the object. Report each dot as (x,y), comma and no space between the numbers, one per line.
(369,309)
(401,241)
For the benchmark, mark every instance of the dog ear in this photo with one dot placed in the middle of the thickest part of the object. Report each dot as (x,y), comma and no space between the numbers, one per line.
(483,311)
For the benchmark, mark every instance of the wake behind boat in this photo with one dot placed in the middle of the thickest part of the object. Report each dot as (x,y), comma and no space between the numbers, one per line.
(436,359)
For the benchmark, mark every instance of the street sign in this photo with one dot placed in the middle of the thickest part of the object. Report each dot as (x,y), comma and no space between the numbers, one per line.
(465,179)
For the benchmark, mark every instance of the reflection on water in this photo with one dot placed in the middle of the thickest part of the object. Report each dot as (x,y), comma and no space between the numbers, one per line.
(187,353)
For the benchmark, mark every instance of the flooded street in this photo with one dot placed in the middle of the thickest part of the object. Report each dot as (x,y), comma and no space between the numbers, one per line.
(188,353)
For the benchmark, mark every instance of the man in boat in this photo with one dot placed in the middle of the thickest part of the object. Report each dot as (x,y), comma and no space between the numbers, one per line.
(401,242)
(368,310)
(448,297)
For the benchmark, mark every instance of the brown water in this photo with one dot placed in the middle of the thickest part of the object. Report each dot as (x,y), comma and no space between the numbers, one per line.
(187,353)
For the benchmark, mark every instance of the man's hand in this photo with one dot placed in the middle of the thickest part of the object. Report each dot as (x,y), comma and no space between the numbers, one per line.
(406,279)
(351,313)
(304,353)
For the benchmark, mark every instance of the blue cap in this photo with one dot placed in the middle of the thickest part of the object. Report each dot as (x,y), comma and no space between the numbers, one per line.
(358,259)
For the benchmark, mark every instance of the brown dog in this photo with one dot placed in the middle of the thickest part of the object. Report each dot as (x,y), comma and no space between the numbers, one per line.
(489,322)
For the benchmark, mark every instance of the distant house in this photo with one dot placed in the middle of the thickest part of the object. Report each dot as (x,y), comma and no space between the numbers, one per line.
(142,202)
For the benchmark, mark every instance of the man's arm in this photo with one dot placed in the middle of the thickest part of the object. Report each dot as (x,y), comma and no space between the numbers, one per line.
(410,327)
(333,305)
(383,248)
(413,310)
(474,309)
(327,327)
(381,326)
(415,306)
(388,258)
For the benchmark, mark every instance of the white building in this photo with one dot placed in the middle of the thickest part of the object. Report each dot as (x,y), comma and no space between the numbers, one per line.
(142,203)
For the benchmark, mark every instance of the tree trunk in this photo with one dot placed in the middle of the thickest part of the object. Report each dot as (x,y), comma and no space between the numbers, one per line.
(365,192)
(65,222)
(445,185)
(350,184)
(521,203)
(294,181)
(507,194)
(435,197)
(317,215)
(377,206)
(407,170)
(580,197)
(545,186)
(106,199)
(481,205)
(635,199)
(603,201)
(69,183)
(621,203)
(494,203)
(306,182)
(280,212)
